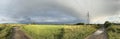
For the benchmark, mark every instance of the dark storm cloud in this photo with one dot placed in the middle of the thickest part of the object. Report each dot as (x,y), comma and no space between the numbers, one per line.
(57,10)
(26,11)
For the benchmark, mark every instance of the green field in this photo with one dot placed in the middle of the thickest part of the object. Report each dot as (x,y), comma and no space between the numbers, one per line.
(58,31)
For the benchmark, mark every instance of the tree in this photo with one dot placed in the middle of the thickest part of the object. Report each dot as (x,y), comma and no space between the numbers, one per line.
(107,24)
(79,24)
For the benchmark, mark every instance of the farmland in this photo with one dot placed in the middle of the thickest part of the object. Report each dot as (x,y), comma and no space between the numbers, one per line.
(57,31)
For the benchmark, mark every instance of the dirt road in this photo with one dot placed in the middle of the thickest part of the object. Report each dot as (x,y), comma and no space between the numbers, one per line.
(99,34)
(18,34)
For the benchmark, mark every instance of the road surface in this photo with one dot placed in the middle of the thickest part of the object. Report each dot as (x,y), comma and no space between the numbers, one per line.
(18,34)
(99,34)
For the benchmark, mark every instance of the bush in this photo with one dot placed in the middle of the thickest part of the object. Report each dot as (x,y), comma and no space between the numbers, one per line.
(107,24)
(114,32)
(79,24)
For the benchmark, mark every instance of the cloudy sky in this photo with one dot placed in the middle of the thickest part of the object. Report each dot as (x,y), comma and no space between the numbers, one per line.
(58,11)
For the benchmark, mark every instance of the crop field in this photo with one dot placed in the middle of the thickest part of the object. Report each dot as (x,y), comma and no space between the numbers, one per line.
(58,31)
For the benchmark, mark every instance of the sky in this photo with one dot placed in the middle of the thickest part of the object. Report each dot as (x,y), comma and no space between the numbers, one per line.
(59,11)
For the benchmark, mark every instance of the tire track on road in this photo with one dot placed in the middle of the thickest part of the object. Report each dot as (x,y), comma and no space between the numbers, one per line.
(18,34)
(99,34)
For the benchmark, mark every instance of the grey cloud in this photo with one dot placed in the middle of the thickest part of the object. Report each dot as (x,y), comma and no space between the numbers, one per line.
(26,10)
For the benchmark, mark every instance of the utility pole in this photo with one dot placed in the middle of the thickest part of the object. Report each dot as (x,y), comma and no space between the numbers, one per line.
(88,17)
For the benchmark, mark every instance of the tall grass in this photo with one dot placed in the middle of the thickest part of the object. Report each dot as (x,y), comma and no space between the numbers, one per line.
(114,32)
(78,32)
(58,31)
(5,32)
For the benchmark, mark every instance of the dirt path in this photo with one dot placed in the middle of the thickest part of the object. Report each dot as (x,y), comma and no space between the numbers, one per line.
(18,34)
(99,34)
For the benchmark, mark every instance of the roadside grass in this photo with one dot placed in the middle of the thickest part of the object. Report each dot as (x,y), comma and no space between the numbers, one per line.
(78,32)
(5,32)
(58,31)
(114,32)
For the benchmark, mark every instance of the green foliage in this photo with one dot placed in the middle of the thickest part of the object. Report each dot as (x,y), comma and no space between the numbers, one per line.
(43,32)
(58,31)
(107,24)
(77,32)
(5,32)
(79,24)
(114,32)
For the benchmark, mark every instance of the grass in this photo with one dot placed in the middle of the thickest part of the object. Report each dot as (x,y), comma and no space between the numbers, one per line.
(5,32)
(58,31)
(114,32)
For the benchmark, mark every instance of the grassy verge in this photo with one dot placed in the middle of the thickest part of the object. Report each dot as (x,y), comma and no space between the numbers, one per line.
(114,32)
(58,31)
(5,32)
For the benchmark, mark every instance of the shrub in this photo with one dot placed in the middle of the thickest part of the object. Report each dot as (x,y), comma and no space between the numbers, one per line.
(107,24)
(79,24)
